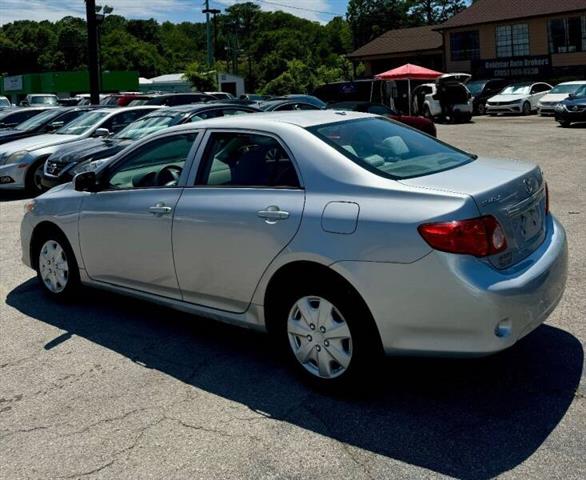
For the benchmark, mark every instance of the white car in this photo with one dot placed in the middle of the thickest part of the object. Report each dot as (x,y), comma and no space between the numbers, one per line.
(557,94)
(457,99)
(522,98)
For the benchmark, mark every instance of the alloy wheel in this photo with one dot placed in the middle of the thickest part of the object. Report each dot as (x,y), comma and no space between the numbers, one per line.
(53,266)
(37,178)
(319,337)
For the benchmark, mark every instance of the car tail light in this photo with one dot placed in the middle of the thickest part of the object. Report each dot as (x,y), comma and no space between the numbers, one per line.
(480,237)
(546,198)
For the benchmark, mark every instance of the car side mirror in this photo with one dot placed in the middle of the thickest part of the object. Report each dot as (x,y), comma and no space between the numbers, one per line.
(572,95)
(86,182)
(55,126)
(102,132)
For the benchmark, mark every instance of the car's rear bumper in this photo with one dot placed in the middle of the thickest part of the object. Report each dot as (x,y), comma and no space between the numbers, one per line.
(447,304)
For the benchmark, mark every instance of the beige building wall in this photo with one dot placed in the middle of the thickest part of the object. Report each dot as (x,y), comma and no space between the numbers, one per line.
(538,43)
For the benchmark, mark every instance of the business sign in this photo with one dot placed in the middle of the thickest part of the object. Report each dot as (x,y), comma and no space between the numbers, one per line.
(530,66)
(13,84)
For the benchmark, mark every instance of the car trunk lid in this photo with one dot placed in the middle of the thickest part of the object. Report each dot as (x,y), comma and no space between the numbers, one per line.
(511,191)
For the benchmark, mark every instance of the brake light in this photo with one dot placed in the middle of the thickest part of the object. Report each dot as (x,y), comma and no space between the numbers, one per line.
(546,199)
(480,237)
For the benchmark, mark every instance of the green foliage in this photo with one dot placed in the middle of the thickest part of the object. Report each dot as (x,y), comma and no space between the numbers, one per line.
(201,77)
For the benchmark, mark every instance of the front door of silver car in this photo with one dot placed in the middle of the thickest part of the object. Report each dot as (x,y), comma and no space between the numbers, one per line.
(125,228)
(244,206)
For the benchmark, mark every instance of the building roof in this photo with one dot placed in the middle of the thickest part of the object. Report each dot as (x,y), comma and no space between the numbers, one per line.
(401,41)
(487,11)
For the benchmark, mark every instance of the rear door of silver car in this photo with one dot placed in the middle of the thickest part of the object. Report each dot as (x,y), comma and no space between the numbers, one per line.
(242,207)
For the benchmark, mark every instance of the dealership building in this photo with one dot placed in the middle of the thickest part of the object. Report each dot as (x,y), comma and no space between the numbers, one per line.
(543,39)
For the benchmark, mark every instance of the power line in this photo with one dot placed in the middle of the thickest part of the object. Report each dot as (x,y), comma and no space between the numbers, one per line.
(304,9)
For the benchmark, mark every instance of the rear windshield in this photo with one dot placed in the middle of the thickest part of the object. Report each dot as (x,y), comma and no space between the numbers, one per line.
(389,149)
(43,100)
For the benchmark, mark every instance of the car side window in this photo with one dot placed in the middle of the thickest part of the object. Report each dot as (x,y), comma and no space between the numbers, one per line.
(123,119)
(234,159)
(158,163)
(234,111)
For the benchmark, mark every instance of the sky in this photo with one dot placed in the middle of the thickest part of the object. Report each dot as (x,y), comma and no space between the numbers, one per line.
(173,10)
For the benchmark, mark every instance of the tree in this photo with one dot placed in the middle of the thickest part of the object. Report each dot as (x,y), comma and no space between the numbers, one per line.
(434,12)
(201,77)
(369,19)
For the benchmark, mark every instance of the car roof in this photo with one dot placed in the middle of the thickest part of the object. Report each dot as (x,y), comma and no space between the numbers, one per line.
(194,107)
(268,120)
(126,109)
(575,82)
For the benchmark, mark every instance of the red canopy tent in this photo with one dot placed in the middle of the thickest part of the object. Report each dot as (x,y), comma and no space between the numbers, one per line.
(409,72)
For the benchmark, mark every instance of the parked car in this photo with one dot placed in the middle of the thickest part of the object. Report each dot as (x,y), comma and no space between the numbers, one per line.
(91,153)
(221,95)
(121,99)
(446,99)
(4,103)
(36,99)
(303,98)
(255,97)
(47,121)
(279,105)
(573,109)
(10,118)
(355,91)
(174,99)
(482,90)
(354,236)
(546,105)
(522,98)
(420,123)
(22,161)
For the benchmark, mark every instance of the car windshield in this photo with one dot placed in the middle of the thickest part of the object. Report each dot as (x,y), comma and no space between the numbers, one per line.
(388,149)
(567,88)
(38,120)
(581,92)
(147,125)
(43,100)
(83,124)
(517,90)
(476,87)
(4,102)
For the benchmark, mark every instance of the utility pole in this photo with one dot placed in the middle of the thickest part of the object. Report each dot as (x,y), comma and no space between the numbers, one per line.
(92,50)
(207,11)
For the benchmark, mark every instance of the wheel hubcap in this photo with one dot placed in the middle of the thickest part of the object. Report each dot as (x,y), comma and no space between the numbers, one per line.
(53,266)
(319,337)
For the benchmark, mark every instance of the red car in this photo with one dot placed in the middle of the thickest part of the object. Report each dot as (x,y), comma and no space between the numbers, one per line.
(420,123)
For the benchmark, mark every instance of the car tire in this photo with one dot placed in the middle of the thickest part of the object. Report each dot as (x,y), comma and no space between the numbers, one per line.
(565,123)
(34,176)
(427,113)
(481,109)
(328,334)
(56,266)
(526,108)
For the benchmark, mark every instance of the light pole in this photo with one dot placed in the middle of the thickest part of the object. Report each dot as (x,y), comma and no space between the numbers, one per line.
(101,14)
(207,11)
(92,48)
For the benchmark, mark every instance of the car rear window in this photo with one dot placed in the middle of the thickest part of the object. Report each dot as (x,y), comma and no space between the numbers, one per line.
(389,149)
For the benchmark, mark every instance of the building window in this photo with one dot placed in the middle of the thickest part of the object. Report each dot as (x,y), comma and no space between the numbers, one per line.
(512,40)
(465,45)
(567,35)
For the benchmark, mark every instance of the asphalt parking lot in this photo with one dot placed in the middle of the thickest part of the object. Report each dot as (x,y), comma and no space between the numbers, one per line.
(115,388)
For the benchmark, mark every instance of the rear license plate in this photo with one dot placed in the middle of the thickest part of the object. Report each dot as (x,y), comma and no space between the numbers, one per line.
(530,222)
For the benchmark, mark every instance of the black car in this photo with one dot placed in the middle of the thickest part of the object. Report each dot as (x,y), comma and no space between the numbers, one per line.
(482,90)
(47,121)
(11,117)
(174,99)
(572,109)
(85,155)
(275,105)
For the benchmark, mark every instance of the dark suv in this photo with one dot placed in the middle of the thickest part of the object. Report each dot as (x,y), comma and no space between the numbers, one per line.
(482,90)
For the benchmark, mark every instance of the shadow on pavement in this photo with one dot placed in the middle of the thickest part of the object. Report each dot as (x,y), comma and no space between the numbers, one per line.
(470,419)
(12,195)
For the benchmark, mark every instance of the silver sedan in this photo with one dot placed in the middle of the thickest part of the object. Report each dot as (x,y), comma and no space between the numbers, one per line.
(345,235)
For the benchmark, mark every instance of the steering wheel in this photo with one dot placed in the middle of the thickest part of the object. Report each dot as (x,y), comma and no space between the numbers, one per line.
(168,176)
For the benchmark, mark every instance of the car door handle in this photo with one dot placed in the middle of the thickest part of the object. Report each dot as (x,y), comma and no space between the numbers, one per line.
(160,209)
(272,214)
